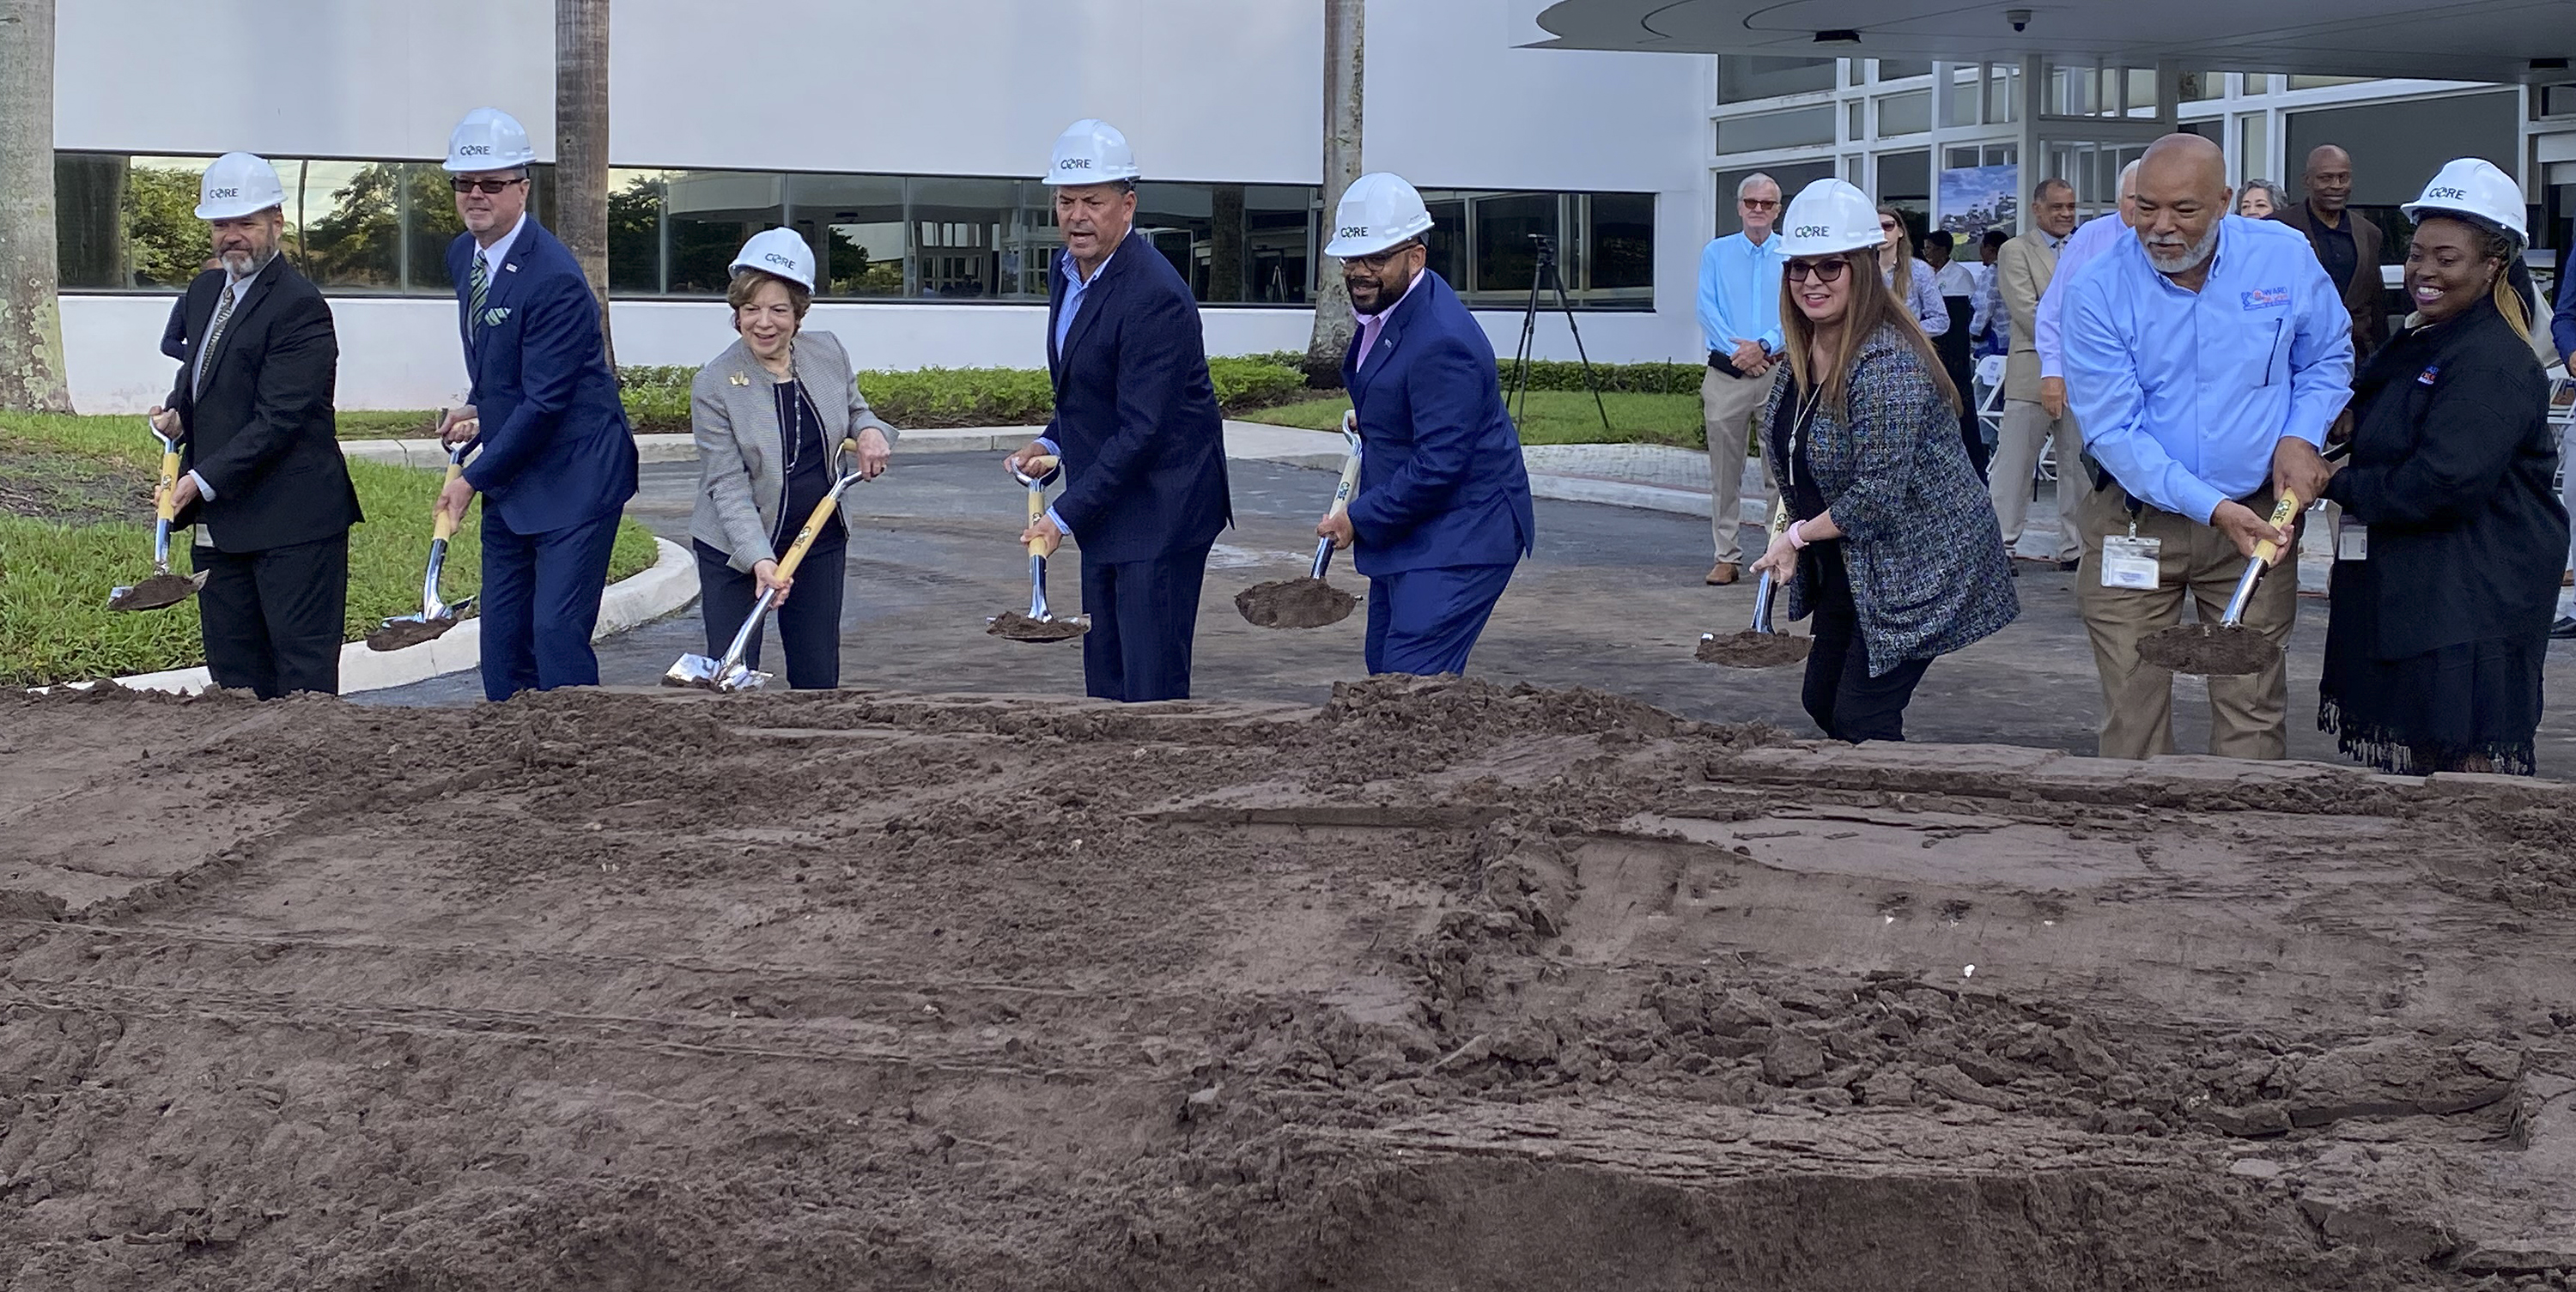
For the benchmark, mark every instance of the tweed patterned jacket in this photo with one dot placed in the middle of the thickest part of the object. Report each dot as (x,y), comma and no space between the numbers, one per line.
(1927,564)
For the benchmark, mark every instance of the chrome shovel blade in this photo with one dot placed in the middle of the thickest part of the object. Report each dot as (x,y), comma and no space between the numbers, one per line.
(692,670)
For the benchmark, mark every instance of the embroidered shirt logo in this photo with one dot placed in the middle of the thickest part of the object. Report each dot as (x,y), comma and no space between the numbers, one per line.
(2425,378)
(2263,298)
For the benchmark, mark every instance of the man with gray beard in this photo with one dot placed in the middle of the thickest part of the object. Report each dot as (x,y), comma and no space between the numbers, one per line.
(2205,357)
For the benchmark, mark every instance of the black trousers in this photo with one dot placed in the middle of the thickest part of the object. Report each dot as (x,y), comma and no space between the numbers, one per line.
(809,625)
(1840,695)
(272,621)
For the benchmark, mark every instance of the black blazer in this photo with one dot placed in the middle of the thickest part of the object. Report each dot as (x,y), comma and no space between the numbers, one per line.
(1135,413)
(2451,463)
(263,437)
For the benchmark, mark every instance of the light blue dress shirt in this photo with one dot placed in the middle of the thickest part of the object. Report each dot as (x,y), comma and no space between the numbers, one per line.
(1074,286)
(2075,251)
(1923,297)
(1739,292)
(2183,395)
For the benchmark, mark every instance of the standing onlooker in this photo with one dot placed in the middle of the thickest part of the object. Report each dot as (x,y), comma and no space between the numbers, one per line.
(2346,243)
(1958,296)
(1739,317)
(558,462)
(1989,328)
(772,415)
(2102,233)
(2022,274)
(2207,356)
(2562,330)
(1135,425)
(264,483)
(2447,562)
(2261,199)
(1906,275)
(1890,548)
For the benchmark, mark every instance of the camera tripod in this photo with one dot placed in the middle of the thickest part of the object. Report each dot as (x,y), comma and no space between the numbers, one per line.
(1544,277)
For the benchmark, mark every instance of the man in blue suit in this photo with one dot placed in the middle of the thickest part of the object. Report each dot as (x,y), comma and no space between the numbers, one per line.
(557,462)
(1443,509)
(1136,426)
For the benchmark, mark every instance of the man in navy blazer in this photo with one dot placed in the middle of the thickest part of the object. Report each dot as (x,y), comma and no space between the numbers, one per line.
(557,462)
(1135,424)
(1443,509)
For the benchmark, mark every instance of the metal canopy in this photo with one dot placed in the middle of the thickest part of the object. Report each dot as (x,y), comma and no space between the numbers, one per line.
(2480,40)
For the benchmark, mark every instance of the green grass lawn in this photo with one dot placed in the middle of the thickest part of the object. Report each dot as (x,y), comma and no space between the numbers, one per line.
(54,577)
(1550,417)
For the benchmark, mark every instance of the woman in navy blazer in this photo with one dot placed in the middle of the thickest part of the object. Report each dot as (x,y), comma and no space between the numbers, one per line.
(1443,508)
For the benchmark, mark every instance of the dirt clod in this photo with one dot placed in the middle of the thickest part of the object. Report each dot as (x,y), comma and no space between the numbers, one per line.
(409,632)
(2209,649)
(1294,603)
(1018,627)
(1749,649)
(155,593)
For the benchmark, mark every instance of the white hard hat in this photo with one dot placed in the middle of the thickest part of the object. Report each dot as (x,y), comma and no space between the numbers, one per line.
(780,252)
(238,184)
(488,139)
(1828,217)
(2473,186)
(1091,151)
(1378,211)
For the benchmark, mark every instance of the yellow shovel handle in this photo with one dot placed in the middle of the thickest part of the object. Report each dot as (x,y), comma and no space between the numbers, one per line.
(805,537)
(167,497)
(442,526)
(1036,468)
(2282,514)
(1779,518)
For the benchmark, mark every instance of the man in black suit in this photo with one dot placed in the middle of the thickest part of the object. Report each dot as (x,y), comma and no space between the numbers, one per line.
(261,478)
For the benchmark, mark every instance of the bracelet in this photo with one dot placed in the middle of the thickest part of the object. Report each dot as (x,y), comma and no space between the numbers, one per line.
(1797,541)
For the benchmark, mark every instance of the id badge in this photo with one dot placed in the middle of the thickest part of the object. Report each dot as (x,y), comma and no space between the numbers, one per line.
(2352,541)
(2131,562)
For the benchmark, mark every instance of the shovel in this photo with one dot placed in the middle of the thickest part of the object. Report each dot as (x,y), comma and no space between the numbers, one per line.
(730,674)
(435,616)
(1760,646)
(1038,625)
(2227,648)
(1309,602)
(163,588)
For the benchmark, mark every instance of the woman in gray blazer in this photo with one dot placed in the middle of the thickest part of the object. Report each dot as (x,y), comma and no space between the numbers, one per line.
(1894,547)
(771,413)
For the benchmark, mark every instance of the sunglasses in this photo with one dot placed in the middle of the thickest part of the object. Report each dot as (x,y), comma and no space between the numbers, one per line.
(1757,204)
(484,185)
(1826,271)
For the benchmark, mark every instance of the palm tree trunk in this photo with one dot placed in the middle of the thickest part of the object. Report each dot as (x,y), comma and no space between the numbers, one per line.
(581,144)
(31,320)
(1334,325)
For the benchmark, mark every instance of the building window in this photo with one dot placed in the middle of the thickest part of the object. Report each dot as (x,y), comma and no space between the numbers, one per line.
(1895,69)
(1744,77)
(1763,131)
(1904,114)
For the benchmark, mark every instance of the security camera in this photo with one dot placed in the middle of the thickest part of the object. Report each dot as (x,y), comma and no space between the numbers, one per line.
(2019,18)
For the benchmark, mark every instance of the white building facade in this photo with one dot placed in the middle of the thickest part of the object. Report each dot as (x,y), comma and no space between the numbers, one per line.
(903,140)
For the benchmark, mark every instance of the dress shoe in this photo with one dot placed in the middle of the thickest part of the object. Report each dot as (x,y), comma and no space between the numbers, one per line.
(1721,574)
(2564,630)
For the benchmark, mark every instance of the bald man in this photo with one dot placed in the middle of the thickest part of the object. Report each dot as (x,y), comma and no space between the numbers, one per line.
(2205,356)
(2346,243)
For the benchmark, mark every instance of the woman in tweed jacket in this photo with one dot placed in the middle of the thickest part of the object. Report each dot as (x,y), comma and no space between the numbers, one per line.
(1894,548)
(772,413)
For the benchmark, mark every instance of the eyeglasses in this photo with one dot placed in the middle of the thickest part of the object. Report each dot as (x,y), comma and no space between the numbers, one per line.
(1826,271)
(1381,260)
(1758,203)
(463,185)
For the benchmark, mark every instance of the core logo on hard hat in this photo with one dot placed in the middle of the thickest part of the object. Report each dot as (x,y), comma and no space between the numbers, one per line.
(1074,163)
(214,193)
(777,259)
(475,150)
(1810,231)
(2461,194)
(1352,231)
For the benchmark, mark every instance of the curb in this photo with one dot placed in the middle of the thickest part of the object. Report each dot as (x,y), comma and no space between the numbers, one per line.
(670,583)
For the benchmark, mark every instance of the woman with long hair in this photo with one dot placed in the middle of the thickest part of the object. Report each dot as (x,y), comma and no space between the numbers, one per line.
(1893,546)
(1909,276)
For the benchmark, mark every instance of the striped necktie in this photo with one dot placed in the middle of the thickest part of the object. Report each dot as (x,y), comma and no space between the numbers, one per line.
(214,337)
(475,285)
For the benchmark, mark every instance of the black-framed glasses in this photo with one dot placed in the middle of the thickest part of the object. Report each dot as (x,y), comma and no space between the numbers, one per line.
(1826,271)
(464,185)
(1381,260)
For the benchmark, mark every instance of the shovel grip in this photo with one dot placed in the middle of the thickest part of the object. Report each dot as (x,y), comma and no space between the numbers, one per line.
(1350,480)
(166,498)
(2283,513)
(805,537)
(442,526)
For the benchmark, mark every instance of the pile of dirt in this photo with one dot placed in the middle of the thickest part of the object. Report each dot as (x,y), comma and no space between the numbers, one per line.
(1019,627)
(1442,985)
(2209,648)
(1294,603)
(1749,649)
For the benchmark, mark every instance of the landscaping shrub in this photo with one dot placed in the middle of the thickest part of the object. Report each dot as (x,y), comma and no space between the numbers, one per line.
(657,398)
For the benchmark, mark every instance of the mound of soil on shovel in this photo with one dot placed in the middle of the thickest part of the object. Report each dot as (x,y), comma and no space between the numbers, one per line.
(1440,985)
(409,633)
(1749,649)
(1019,627)
(2209,649)
(1294,603)
(158,592)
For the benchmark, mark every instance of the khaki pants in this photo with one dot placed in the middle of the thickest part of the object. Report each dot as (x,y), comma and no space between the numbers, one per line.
(1727,404)
(2247,715)
(2017,440)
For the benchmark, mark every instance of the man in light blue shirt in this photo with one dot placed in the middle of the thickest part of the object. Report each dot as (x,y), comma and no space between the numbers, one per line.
(2205,357)
(1739,317)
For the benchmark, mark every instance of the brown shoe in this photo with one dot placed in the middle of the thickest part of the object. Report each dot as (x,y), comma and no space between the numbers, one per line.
(1721,574)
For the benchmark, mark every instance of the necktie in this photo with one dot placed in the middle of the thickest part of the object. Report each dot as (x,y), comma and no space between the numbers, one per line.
(214,337)
(475,284)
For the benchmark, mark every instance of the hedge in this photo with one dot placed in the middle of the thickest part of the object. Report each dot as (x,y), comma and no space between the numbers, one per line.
(657,398)
(1636,378)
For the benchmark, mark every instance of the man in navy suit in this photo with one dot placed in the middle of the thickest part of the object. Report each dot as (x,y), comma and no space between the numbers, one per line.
(557,462)
(1443,509)
(1135,424)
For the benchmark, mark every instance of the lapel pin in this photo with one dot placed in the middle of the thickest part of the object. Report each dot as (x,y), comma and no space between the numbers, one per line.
(742,379)
(509,269)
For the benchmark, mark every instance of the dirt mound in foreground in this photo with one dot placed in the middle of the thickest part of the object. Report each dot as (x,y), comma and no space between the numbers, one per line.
(1441,986)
